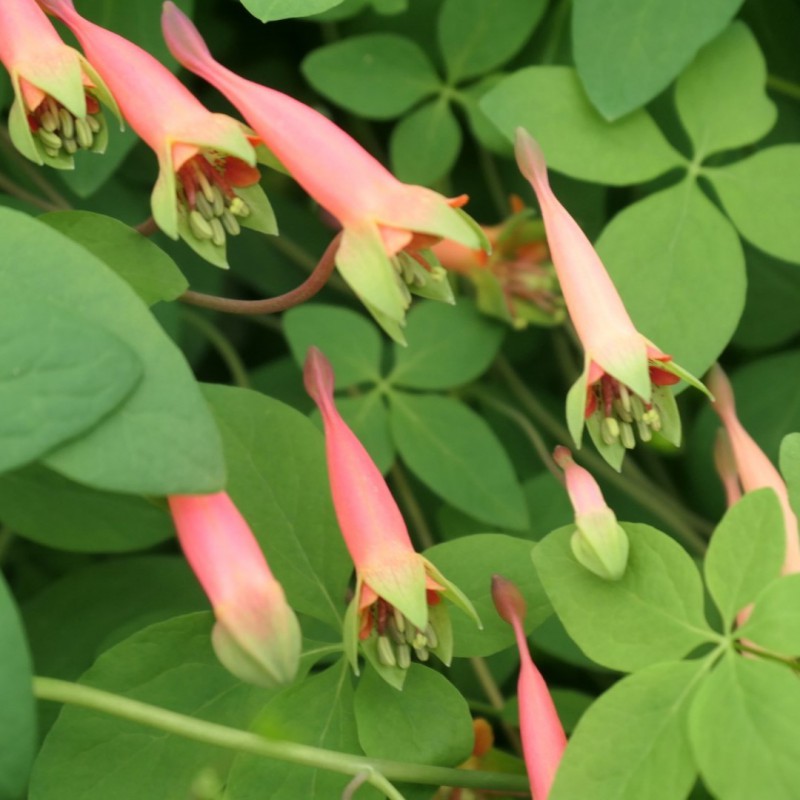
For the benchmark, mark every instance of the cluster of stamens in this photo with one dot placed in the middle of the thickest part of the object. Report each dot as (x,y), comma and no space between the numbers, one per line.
(532,282)
(397,636)
(60,131)
(212,205)
(623,412)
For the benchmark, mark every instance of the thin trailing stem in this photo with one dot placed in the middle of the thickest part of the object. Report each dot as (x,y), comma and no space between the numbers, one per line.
(148,227)
(15,190)
(634,482)
(784,86)
(416,517)
(380,771)
(495,698)
(786,661)
(226,351)
(271,305)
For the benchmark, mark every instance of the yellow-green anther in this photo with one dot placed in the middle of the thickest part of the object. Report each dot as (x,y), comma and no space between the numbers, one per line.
(422,653)
(386,652)
(609,429)
(51,140)
(49,121)
(625,397)
(624,414)
(403,653)
(50,152)
(410,634)
(626,436)
(396,636)
(637,407)
(217,232)
(652,418)
(67,124)
(399,619)
(645,434)
(218,203)
(83,133)
(230,223)
(205,187)
(420,640)
(430,635)
(93,123)
(71,146)
(240,208)
(204,207)
(199,226)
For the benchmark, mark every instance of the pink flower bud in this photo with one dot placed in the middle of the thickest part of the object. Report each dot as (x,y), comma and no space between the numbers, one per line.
(543,737)
(257,636)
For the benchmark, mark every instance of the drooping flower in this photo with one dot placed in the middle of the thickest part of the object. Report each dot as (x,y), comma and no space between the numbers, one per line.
(396,610)
(57,92)
(516,281)
(623,389)
(754,469)
(387,225)
(543,737)
(256,636)
(207,185)
(599,543)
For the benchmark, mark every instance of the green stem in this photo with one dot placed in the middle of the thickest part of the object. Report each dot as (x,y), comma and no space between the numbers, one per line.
(634,483)
(784,86)
(493,182)
(786,661)
(495,697)
(225,350)
(379,770)
(412,508)
(15,190)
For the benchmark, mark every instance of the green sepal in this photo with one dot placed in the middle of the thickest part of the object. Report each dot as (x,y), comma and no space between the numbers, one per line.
(164,198)
(439,618)
(63,80)
(365,265)
(262,216)
(100,140)
(394,676)
(684,375)
(613,453)
(626,360)
(452,593)
(20,131)
(576,407)
(432,283)
(264,155)
(600,544)
(350,632)
(101,91)
(664,402)
(205,248)
(390,327)
(483,242)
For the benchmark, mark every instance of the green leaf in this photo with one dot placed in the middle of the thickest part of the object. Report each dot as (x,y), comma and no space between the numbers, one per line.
(746,552)
(476,37)
(722,98)
(627,53)
(271,10)
(278,480)
(47,508)
(377,76)
(140,23)
(759,194)
(349,340)
(575,138)
(632,741)
(69,625)
(97,756)
(654,613)
(151,273)
(163,440)
(447,346)
(679,267)
(483,129)
(548,503)
(368,418)
(456,454)
(17,706)
(317,712)
(470,563)
(425,144)
(774,622)
(429,720)
(743,729)
(790,468)
(61,372)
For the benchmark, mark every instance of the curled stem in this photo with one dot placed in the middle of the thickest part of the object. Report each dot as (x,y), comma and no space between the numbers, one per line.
(380,771)
(271,305)
(147,228)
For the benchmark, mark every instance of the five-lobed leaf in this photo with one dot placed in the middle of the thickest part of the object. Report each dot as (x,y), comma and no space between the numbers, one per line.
(746,552)
(627,51)
(721,98)
(552,105)
(653,613)
(632,741)
(743,730)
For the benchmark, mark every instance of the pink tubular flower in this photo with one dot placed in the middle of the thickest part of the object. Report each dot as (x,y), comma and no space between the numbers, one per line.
(624,385)
(207,184)
(599,543)
(257,636)
(517,282)
(397,605)
(385,221)
(543,738)
(56,91)
(755,470)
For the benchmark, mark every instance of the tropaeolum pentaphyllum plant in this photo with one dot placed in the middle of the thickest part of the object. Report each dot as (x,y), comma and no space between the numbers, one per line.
(281,531)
